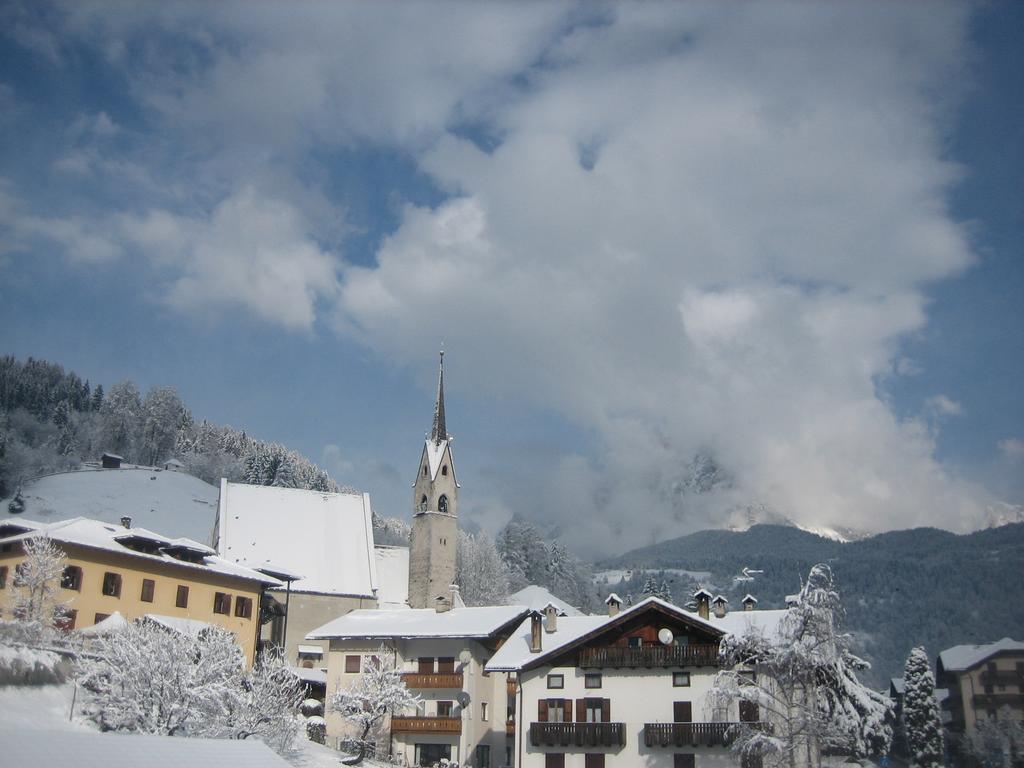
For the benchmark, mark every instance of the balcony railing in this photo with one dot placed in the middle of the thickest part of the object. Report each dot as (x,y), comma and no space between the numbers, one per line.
(1002,677)
(432,679)
(426,725)
(996,700)
(692,734)
(615,656)
(577,734)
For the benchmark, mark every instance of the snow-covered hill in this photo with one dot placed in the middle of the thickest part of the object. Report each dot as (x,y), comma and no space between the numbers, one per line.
(171,503)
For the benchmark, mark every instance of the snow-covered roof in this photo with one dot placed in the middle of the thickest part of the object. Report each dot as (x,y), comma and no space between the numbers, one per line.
(91,749)
(189,627)
(392,576)
(95,534)
(898,685)
(435,457)
(307,675)
(739,622)
(115,622)
(312,650)
(963,657)
(420,622)
(515,653)
(536,598)
(749,598)
(326,537)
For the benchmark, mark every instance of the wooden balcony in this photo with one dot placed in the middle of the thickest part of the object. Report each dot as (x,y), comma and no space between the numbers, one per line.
(426,725)
(577,734)
(418,680)
(619,657)
(1002,677)
(693,734)
(997,700)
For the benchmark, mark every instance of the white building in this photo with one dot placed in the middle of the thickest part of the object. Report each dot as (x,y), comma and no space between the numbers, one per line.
(442,654)
(626,689)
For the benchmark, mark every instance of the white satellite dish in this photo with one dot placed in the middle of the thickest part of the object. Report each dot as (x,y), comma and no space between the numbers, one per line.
(465,656)
(665,636)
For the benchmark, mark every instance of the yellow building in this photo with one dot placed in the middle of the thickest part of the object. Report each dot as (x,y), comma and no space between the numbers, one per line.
(138,573)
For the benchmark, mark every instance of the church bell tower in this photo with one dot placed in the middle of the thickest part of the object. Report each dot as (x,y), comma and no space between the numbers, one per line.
(435,500)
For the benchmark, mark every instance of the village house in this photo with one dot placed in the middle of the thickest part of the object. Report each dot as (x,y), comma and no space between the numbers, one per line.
(136,573)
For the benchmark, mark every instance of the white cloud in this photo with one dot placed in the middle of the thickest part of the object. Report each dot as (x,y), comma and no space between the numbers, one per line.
(943,405)
(1012,449)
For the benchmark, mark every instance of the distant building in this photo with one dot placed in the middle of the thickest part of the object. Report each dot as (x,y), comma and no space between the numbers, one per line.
(110,461)
(135,572)
(536,598)
(984,682)
(173,465)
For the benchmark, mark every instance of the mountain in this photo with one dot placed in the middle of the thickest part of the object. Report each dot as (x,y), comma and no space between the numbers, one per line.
(900,589)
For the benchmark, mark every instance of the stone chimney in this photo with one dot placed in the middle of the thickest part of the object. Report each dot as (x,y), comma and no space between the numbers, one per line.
(442,604)
(749,603)
(703,599)
(614,603)
(721,606)
(535,633)
(550,618)
(126,521)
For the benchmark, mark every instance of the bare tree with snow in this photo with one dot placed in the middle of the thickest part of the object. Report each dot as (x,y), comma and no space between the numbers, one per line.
(377,693)
(37,584)
(482,575)
(804,686)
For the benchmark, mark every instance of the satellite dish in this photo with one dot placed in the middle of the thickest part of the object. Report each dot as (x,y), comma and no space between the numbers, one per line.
(465,657)
(665,636)
(463,699)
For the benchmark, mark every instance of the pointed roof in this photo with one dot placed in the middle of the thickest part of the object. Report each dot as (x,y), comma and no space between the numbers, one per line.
(439,430)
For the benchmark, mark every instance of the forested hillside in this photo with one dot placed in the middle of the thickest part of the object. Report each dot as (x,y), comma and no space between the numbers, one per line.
(52,420)
(900,589)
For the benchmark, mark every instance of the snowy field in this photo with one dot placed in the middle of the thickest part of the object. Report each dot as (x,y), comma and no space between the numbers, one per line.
(171,503)
(615,575)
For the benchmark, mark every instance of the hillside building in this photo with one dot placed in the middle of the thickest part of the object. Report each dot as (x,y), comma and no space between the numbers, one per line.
(135,572)
(985,682)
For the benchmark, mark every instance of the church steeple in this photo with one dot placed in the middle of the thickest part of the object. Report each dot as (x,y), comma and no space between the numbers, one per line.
(439,430)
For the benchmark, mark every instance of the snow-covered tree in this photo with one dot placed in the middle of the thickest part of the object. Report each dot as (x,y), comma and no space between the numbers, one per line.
(995,742)
(650,586)
(378,692)
(265,704)
(480,572)
(120,413)
(524,552)
(665,592)
(803,682)
(37,583)
(161,416)
(921,721)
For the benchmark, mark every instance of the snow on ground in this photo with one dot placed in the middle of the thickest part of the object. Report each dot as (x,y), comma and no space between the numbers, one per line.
(171,503)
(615,575)
(38,706)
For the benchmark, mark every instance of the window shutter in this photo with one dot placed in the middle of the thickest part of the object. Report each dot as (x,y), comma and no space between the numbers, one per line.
(606,710)
(567,704)
(581,710)
(542,710)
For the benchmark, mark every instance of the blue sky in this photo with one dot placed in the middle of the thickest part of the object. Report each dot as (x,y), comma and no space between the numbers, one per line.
(786,237)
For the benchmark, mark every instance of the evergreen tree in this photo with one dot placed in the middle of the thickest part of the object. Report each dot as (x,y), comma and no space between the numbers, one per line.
(650,586)
(921,713)
(97,397)
(665,592)
(121,411)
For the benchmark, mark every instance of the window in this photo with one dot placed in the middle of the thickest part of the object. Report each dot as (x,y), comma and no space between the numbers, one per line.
(483,756)
(181,599)
(444,709)
(148,587)
(3,576)
(555,711)
(67,622)
(72,578)
(442,504)
(683,760)
(593,760)
(423,503)
(352,663)
(593,710)
(483,710)
(425,665)
(243,607)
(444,470)
(432,754)
(556,681)
(749,712)
(680,679)
(554,760)
(425,474)
(636,642)
(222,603)
(592,680)
(112,584)
(446,665)
(100,617)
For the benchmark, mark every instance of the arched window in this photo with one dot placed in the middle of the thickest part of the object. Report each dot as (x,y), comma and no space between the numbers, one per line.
(423,503)
(442,503)
(425,470)
(444,470)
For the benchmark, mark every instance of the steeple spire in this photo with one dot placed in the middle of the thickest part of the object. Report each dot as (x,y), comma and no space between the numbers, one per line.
(439,430)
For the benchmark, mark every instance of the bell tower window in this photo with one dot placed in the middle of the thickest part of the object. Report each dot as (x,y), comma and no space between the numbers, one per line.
(423,503)
(442,504)
(444,470)
(425,470)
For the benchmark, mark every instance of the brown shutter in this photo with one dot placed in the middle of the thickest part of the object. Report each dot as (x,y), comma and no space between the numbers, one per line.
(567,704)
(581,710)
(542,710)
(682,711)
(606,710)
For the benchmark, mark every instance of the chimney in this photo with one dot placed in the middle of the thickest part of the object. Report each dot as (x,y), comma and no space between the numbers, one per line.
(126,521)
(535,633)
(703,599)
(550,618)
(441,604)
(721,606)
(749,603)
(614,604)
(456,598)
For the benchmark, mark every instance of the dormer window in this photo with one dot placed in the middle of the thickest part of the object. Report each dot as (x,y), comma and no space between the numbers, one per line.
(442,504)
(444,470)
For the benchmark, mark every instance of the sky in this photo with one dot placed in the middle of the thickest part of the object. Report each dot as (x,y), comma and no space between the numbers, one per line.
(783,236)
